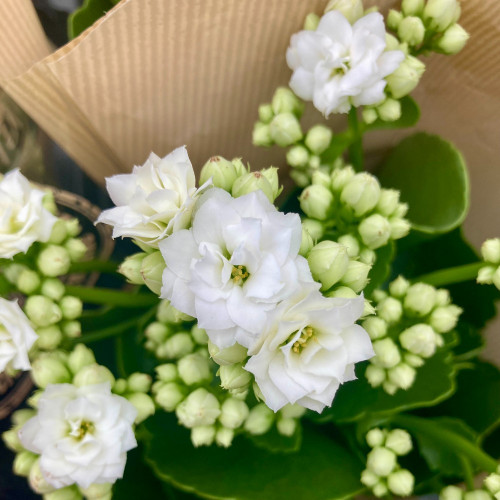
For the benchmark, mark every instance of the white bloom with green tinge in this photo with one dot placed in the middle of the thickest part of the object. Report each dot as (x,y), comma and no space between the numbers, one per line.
(339,65)
(82,434)
(16,336)
(153,201)
(23,218)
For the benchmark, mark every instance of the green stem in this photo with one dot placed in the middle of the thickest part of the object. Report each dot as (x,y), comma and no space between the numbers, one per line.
(468,472)
(102,266)
(112,297)
(451,275)
(447,439)
(356,147)
(105,333)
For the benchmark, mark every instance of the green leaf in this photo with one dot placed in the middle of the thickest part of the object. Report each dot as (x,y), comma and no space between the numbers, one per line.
(340,142)
(433,180)
(321,469)
(410,114)
(355,400)
(87,15)
(275,442)
(381,270)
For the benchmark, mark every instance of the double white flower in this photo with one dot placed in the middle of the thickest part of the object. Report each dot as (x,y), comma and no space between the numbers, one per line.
(340,65)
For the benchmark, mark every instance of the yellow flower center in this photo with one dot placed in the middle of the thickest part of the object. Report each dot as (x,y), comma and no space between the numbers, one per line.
(84,428)
(239,274)
(306,335)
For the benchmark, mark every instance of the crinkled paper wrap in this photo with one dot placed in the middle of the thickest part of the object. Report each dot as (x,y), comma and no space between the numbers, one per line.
(156,74)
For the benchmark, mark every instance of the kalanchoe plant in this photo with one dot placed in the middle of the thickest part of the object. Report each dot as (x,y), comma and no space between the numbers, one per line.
(253,343)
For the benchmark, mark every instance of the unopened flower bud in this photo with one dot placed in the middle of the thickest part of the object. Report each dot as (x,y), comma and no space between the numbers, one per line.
(265,113)
(411,30)
(356,276)
(233,413)
(390,310)
(261,136)
(381,461)
(399,441)
(399,227)
(71,307)
(20,417)
(285,101)
(203,435)
(23,463)
(441,13)
(199,335)
(144,405)
(53,261)
(444,319)
(402,375)
(340,177)
(292,411)
(59,232)
(93,374)
(451,493)
(259,420)
(194,369)
(490,250)
(375,231)
(351,9)
(234,376)
(406,77)
(42,311)
(387,353)
(485,275)
(412,7)
(152,268)
(318,138)
(321,178)
(53,288)
(12,272)
(11,440)
(157,332)
(297,157)
(170,395)
(131,268)
(399,287)
(376,327)
(229,355)
(413,360)
(389,110)
(285,129)
(28,281)
(419,339)
(72,329)
(369,115)
(73,227)
(369,479)
(328,262)
(222,172)
(477,495)
(76,249)
(394,17)
(167,372)
(367,256)
(375,437)
(492,483)
(271,174)
(351,243)
(253,181)
(401,482)
(199,408)
(139,382)
(380,489)
(286,426)
(316,201)
(361,193)
(49,369)
(97,491)
(120,386)
(301,179)
(375,375)
(496,278)
(314,227)
(420,299)
(49,337)
(176,346)
(167,313)
(224,437)
(306,243)
(36,480)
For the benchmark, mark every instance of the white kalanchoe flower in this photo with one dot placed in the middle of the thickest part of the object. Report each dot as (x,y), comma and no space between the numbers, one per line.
(23,218)
(339,65)
(16,336)
(310,350)
(153,201)
(82,434)
(230,271)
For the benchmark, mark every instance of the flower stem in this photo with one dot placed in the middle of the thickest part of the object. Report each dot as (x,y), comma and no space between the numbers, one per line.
(102,266)
(356,147)
(447,439)
(112,297)
(451,275)
(105,333)
(468,472)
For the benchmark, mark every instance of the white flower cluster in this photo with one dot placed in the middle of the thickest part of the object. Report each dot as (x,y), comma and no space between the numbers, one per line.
(426,313)
(490,273)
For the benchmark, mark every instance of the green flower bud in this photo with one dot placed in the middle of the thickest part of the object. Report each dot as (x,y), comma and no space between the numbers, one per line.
(234,376)
(369,479)
(341,177)
(406,77)
(170,396)
(399,287)
(157,332)
(351,9)
(394,17)
(199,408)
(389,110)
(11,440)
(72,329)
(316,201)
(318,138)
(76,249)
(152,270)
(351,243)
(419,339)
(376,327)
(271,174)
(375,231)
(229,355)
(401,483)
(375,437)
(314,162)
(71,307)
(411,30)
(321,178)
(301,179)
(265,113)
(222,172)
(292,411)
(368,256)
(224,437)
(59,232)
(444,319)
(399,441)
(12,272)
(390,310)
(261,135)
(69,493)
(253,181)
(177,346)
(369,115)
(131,268)
(297,157)
(42,311)
(120,386)
(375,375)
(49,337)
(420,299)
(144,405)
(97,491)
(387,353)
(23,463)
(72,227)
(285,101)
(492,483)
(139,382)
(402,376)
(20,417)
(311,22)
(167,313)
(28,281)
(440,14)
(33,399)
(37,481)
(199,335)
(306,243)
(399,227)
(49,369)
(451,493)
(285,129)
(412,7)
(485,275)
(413,360)
(194,369)
(314,227)
(361,193)
(477,495)
(233,413)
(93,374)
(490,250)
(356,276)
(53,261)
(381,461)
(203,435)
(328,262)
(240,167)
(167,372)
(380,489)
(259,420)
(53,288)
(286,426)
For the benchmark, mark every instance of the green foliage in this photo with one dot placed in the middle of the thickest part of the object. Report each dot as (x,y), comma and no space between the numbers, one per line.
(432,177)
(381,270)
(275,442)
(87,15)
(410,114)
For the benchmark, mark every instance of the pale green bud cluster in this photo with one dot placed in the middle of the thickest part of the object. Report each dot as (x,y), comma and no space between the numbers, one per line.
(351,9)
(144,268)
(134,389)
(408,328)
(490,273)
(383,474)
(492,484)
(456,493)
